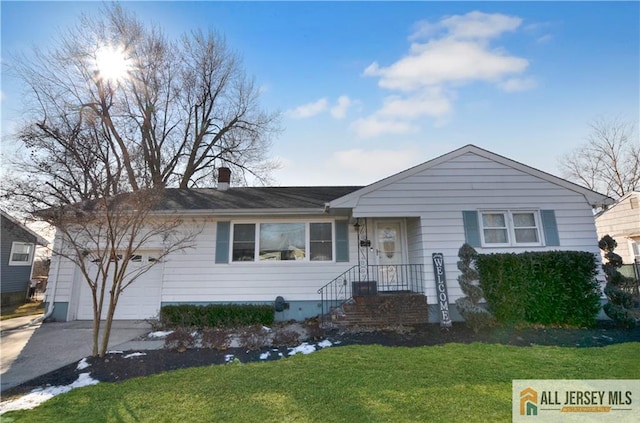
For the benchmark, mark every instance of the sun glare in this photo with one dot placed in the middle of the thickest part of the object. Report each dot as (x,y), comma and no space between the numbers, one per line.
(112,63)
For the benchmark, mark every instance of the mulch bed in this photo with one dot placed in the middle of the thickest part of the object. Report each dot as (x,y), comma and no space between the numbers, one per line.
(116,368)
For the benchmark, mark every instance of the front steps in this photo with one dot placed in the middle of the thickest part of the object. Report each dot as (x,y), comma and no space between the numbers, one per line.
(382,310)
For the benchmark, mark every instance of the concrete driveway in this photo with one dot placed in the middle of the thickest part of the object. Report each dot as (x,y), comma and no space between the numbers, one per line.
(27,352)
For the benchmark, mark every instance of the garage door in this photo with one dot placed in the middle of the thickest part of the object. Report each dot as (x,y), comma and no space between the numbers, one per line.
(140,300)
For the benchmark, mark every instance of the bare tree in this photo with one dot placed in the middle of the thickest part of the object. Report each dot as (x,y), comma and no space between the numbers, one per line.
(609,162)
(104,239)
(99,145)
(164,112)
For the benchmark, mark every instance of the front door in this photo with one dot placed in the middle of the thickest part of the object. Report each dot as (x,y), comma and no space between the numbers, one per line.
(389,254)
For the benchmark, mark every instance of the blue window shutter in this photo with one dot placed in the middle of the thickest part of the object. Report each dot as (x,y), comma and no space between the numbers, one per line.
(222,242)
(550,228)
(342,240)
(471,228)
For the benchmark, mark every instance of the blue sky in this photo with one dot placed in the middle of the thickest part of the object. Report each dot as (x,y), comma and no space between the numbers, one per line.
(367,89)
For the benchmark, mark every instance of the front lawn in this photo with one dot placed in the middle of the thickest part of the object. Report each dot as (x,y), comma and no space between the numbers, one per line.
(454,382)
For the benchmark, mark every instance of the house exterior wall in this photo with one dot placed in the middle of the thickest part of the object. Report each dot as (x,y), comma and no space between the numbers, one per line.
(439,195)
(621,222)
(192,277)
(14,280)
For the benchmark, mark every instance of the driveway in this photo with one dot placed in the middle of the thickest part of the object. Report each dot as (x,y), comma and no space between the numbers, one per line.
(27,351)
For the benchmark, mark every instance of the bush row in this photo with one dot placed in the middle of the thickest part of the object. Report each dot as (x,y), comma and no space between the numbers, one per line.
(552,287)
(216,315)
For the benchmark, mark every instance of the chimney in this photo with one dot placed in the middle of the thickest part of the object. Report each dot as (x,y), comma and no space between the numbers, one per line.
(224,178)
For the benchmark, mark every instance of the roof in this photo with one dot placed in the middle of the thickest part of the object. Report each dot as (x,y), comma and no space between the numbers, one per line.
(39,239)
(594,198)
(252,199)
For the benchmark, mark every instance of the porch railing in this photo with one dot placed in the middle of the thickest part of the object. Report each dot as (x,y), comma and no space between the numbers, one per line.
(370,280)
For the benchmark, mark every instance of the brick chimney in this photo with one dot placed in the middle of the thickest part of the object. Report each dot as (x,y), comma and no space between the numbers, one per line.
(224,178)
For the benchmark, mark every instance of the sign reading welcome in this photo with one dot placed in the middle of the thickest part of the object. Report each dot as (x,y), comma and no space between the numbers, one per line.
(441,288)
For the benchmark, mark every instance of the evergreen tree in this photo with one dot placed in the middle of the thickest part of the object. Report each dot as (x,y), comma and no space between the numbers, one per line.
(475,316)
(620,302)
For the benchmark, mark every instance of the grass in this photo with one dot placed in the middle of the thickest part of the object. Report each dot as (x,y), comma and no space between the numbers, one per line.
(454,382)
(20,310)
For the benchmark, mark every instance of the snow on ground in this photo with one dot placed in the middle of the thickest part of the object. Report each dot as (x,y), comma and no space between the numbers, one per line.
(135,354)
(40,395)
(82,364)
(160,334)
(303,348)
(324,344)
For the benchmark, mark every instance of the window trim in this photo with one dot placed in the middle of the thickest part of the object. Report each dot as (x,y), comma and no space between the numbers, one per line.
(307,257)
(29,261)
(511,229)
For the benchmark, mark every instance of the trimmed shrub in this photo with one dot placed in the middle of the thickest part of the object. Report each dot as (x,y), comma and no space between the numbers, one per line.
(620,302)
(551,287)
(216,315)
(474,316)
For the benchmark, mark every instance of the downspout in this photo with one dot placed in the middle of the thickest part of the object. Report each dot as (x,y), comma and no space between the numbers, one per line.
(50,308)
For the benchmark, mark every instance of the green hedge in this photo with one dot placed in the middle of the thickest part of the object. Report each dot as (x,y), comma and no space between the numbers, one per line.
(216,315)
(553,287)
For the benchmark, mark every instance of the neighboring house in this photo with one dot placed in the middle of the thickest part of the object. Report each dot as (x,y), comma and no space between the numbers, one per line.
(314,244)
(17,249)
(622,222)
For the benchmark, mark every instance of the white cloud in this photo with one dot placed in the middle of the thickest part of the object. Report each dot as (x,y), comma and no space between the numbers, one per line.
(308,110)
(339,111)
(446,61)
(430,102)
(376,163)
(443,57)
(376,125)
(518,84)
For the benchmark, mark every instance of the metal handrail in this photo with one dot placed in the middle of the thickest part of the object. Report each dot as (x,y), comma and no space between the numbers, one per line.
(383,278)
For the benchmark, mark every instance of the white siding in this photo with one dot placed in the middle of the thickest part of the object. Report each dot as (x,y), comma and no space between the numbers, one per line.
(193,276)
(439,195)
(621,221)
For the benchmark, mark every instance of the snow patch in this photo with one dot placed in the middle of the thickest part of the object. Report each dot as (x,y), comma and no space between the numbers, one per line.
(115,352)
(228,358)
(303,348)
(160,334)
(135,354)
(325,344)
(265,355)
(40,395)
(82,364)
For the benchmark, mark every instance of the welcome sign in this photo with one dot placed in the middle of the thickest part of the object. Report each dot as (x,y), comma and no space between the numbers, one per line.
(441,288)
(576,400)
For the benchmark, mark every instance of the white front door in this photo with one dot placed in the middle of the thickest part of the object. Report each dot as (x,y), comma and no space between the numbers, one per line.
(390,253)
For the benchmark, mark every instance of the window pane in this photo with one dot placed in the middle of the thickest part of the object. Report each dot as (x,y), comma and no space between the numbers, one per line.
(20,253)
(493,220)
(282,241)
(495,236)
(320,242)
(244,242)
(526,235)
(524,220)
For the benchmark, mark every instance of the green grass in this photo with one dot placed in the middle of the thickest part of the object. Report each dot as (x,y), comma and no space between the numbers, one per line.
(454,382)
(29,308)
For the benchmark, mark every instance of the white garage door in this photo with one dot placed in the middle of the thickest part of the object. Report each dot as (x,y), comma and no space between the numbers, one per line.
(140,300)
